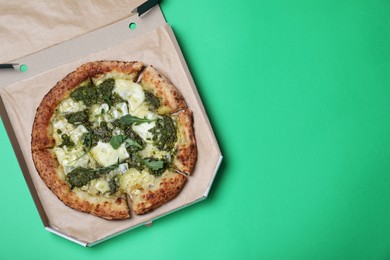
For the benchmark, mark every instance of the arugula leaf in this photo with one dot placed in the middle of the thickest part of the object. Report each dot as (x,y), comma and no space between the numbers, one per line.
(129,119)
(154,164)
(131,142)
(117,140)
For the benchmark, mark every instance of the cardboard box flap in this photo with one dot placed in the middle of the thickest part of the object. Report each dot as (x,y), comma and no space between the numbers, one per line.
(35,25)
(70,50)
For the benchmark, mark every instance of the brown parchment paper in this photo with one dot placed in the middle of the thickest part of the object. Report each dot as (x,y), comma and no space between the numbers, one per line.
(157,47)
(30,26)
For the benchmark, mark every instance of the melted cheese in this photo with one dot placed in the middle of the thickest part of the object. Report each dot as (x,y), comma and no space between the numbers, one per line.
(105,155)
(63,126)
(102,185)
(77,134)
(130,91)
(151,151)
(133,181)
(102,112)
(69,106)
(143,129)
(72,158)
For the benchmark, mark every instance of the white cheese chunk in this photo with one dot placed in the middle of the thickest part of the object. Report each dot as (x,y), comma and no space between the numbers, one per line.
(152,151)
(122,168)
(76,134)
(142,111)
(70,106)
(105,155)
(102,112)
(62,125)
(71,158)
(102,185)
(130,91)
(98,109)
(143,129)
(133,180)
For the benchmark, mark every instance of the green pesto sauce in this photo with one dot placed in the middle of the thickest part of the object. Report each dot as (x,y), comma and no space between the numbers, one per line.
(87,94)
(113,183)
(104,91)
(66,141)
(90,94)
(77,117)
(102,133)
(81,176)
(152,100)
(164,133)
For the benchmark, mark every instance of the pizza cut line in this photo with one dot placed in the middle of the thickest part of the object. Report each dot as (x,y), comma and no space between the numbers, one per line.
(114,137)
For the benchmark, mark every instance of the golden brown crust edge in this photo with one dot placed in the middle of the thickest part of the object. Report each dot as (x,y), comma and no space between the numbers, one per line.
(168,188)
(186,150)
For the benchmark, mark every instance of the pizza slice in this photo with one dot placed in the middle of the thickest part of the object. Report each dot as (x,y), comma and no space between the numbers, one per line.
(108,207)
(161,87)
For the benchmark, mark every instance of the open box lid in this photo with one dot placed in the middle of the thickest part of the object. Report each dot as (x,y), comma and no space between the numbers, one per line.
(43,55)
(152,42)
(35,25)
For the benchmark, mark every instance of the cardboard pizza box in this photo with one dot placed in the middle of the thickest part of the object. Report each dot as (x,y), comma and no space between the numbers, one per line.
(147,38)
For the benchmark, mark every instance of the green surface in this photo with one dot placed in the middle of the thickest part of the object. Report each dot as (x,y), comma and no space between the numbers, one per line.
(298,94)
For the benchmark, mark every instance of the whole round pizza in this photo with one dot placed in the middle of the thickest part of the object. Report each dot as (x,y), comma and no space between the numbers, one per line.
(114,137)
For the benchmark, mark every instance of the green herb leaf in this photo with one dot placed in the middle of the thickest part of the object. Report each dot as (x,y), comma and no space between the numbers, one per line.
(131,142)
(117,140)
(129,119)
(154,164)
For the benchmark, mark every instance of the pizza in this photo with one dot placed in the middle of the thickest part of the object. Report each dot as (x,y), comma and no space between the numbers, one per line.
(114,138)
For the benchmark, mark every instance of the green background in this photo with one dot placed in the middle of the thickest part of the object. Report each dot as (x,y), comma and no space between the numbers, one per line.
(298,95)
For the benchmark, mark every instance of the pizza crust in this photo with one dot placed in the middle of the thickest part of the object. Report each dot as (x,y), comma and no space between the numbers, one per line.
(186,150)
(167,186)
